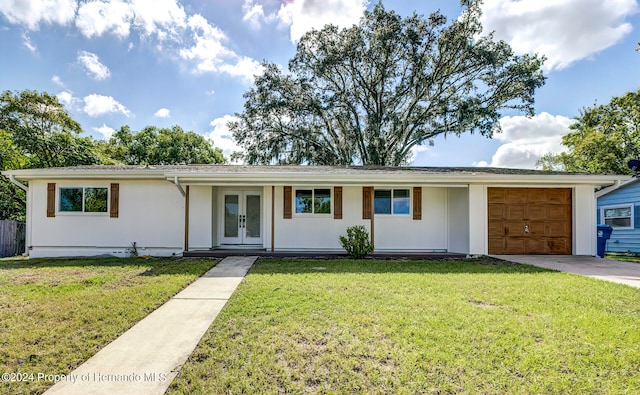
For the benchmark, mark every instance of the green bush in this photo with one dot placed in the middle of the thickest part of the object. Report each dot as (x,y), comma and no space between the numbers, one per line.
(357,243)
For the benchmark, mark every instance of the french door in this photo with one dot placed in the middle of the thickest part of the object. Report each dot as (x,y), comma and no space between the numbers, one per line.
(241,217)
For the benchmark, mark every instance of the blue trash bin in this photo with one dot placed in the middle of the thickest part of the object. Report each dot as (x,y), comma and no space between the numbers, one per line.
(604,234)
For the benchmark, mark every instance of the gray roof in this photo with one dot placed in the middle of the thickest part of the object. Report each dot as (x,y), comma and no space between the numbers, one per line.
(264,169)
(301,174)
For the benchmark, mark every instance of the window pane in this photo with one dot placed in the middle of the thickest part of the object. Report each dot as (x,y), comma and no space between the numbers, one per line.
(95,200)
(70,199)
(401,201)
(304,201)
(253,216)
(322,201)
(231,205)
(617,212)
(382,202)
(618,222)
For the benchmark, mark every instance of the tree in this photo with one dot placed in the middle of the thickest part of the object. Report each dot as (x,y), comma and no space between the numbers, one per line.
(12,198)
(43,132)
(370,93)
(36,131)
(603,138)
(153,146)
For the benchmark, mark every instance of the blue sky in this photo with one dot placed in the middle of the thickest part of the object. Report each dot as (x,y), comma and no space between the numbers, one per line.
(187,63)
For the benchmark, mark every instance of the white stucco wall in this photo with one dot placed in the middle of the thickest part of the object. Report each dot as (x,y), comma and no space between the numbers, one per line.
(458,220)
(317,232)
(392,233)
(151,213)
(584,220)
(478,222)
(403,233)
(200,217)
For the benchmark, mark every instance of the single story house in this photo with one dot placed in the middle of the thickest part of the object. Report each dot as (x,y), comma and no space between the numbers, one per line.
(168,210)
(619,207)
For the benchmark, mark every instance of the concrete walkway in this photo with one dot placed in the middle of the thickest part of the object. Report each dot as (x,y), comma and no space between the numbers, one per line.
(145,359)
(604,269)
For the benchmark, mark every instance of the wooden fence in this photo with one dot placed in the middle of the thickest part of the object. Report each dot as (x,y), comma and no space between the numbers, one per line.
(12,235)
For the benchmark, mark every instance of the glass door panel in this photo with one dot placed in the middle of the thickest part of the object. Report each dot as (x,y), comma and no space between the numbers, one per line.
(252,223)
(241,218)
(231,213)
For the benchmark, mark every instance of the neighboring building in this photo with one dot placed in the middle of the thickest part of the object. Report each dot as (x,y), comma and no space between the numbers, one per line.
(619,206)
(167,210)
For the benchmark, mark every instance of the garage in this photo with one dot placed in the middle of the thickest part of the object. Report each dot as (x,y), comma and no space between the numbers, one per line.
(529,220)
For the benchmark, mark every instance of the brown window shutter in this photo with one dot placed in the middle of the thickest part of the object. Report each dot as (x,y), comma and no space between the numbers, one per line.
(287,203)
(367,202)
(417,203)
(51,199)
(115,200)
(337,202)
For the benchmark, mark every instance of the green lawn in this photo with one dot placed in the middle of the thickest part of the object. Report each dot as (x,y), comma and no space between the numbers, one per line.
(625,258)
(55,314)
(343,326)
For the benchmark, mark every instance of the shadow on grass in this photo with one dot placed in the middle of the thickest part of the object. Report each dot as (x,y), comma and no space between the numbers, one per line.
(483,265)
(155,266)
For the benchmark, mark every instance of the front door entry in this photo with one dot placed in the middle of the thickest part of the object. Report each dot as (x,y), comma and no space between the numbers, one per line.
(241,217)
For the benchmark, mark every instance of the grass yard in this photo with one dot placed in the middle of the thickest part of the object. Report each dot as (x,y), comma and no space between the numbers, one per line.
(56,313)
(482,326)
(625,258)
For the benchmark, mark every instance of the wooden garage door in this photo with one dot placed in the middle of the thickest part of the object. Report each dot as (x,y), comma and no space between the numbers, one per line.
(529,220)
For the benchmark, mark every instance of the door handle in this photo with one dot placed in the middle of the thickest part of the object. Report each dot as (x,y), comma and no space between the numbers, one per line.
(526,229)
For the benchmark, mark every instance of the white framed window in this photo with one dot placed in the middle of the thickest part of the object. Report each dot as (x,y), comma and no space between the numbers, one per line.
(618,217)
(392,201)
(313,201)
(83,200)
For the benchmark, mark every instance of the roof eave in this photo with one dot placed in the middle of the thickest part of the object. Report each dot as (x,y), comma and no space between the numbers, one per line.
(285,177)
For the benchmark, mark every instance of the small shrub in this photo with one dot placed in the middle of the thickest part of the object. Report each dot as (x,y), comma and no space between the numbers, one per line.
(357,243)
(133,249)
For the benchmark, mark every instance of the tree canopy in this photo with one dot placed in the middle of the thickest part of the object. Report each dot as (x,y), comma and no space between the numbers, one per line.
(603,138)
(36,132)
(370,93)
(161,146)
(42,131)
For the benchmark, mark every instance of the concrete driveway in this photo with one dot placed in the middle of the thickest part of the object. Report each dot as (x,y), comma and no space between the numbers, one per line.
(604,269)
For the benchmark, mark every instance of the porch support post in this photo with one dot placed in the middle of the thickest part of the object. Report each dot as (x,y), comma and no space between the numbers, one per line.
(186,219)
(478,220)
(273,217)
(373,215)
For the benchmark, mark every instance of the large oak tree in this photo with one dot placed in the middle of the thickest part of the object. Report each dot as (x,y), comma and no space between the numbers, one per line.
(370,93)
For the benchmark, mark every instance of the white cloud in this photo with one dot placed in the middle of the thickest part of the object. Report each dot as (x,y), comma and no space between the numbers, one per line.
(67,98)
(56,80)
(95,69)
(163,113)
(210,54)
(106,131)
(245,68)
(162,18)
(164,23)
(207,49)
(26,40)
(527,139)
(563,30)
(304,15)
(96,18)
(221,135)
(96,105)
(255,16)
(34,12)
